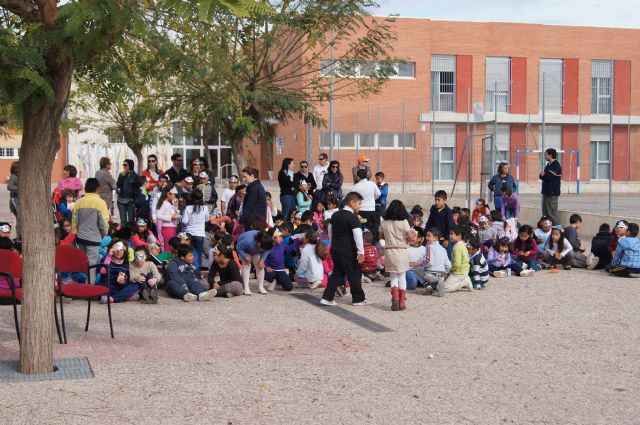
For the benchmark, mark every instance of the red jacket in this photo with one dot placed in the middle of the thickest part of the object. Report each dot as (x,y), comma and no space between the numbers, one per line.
(371,257)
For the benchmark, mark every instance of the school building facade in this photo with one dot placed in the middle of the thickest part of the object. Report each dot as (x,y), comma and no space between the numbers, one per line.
(519,78)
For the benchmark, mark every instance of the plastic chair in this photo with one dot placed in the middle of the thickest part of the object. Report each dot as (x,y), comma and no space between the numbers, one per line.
(10,269)
(70,259)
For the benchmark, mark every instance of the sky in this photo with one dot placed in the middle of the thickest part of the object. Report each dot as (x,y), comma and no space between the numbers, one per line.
(609,13)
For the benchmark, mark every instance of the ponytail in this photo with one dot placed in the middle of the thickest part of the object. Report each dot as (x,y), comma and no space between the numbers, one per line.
(314,239)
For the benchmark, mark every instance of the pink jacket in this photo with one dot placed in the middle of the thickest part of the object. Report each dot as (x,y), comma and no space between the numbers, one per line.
(165,212)
(71,183)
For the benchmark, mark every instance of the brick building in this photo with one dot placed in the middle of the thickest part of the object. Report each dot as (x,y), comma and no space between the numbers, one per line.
(417,126)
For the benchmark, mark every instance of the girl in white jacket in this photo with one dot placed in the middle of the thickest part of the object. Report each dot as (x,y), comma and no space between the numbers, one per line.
(558,250)
(310,270)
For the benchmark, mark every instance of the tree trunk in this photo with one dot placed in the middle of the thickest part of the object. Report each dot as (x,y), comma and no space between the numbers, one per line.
(239,154)
(137,151)
(40,142)
(207,152)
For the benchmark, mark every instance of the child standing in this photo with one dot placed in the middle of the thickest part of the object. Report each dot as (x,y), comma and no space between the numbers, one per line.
(228,193)
(626,260)
(167,214)
(224,275)
(558,250)
(303,197)
(253,247)
(459,277)
(438,263)
(396,231)
(381,202)
(479,273)
(441,216)
(310,269)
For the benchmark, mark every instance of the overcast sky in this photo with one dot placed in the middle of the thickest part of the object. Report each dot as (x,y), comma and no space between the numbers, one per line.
(609,13)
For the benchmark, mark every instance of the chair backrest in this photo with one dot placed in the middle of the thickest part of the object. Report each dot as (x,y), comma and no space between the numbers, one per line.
(70,259)
(10,262)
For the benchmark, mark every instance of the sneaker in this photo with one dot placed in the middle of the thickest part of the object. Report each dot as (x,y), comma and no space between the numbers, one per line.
(634,275)
(315,285)
(470,286)
(153,295)
(207,295)
(189,297)
(440,288)
(567,266)
(272,286)
(527,273)
(134,297)
(428,290)
(594,262)
(327,303)
(103,300)
(499,274)
(247,292)
(364,302)
(262,291)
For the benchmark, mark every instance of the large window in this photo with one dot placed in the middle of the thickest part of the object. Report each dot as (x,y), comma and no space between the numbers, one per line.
(114,136)
(601,83)
(551,72)
(346,140)
(443,83)
(503,141)
(498,84)
(443,164)
(600,158)
(346,69)
(9,152)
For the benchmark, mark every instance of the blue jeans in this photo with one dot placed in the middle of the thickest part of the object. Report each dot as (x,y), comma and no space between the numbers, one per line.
(176,290)
(121,293)
(281,277)
(412,279)
(288,203)
(509,213)
(126,213)
(198,244)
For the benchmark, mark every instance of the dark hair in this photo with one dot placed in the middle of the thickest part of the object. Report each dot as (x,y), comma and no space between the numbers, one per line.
(331,164)
(560,241)
(124,233)
(141,181)
(184,250)
(288,226)
(104,161)
(196,200)
(506,191)
(323,155)
(210,227)
(278,217)
(396,211)
(464,220)
(5,243)
(503,241)
(285,164)
(113,227)
(141,248)
(496,215)
(417,210)
(362,174)
(543,218)
(91,185)
(313,238)
(440,194)
(501,167)
(163,195)
(465,210)
(130,163)
(604,227)
(633,229)
(552,152)
(73,171)
(307,216)
(332,200)
(435,231)
(224,251)
(352,197)
(474,242)
(528,244)
(380,174)
(459,230)
(219,236)
(174,243)
(575,218)
(256,223)
(267,194)
(227,240)
(420,232)
(456,210)
(240,187)
(154,157)
(368,237)
(176,156)
(17,247)
(15,167)
(264,241)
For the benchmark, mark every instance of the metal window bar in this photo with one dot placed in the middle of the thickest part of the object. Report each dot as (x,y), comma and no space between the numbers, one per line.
(601,76)
(553,93)
(443,83)
(498,84)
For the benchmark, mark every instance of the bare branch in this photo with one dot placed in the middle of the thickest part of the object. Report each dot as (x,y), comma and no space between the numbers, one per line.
(23,9)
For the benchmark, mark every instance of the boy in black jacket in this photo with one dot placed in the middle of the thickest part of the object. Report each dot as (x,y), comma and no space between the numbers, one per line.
(183,281)
(441,217)
(600,246)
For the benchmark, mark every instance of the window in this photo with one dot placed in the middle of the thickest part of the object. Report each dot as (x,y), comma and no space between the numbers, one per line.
(553,137)
(405,70)
(503,141)
(279,142)
(114,136)
(9,152)
(350,69)
(600,159)
(443,155)
(370,140)
(601,76)
(443,83)
(498,84)
(552,71)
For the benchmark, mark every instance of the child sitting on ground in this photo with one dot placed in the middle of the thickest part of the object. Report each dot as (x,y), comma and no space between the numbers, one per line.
(558,250)
(479,272)
(371,265)
(542,232)
(438,264)
(497,222)
(310,269)
(626,260)
(525,249)
(224,274)
(145,274)
(417,260)
(600,246)
(456,214)
(459,277)
(486,233)
(183,281)
(481,210)
(500,261)
(276,270)
(580,260)
(620,231)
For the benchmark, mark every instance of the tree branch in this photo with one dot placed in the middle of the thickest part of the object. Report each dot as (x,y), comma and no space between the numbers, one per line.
(23,9)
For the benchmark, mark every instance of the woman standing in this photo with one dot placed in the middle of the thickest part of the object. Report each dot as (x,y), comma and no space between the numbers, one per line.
(499,181)
(12,187)
(127,187)
(153,172)
(254,203)
(332,182)
(396,231)
(167,214)
(71,181)
(107,182)
(287,187)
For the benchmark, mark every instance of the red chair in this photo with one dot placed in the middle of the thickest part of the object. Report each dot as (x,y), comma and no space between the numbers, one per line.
(11,268)
(70,259)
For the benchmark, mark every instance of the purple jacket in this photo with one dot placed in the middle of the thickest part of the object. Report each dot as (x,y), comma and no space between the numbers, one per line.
(275,259)
(513,203)
(496,259)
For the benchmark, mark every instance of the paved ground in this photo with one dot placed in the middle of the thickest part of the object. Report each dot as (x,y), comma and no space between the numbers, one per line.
(559,348)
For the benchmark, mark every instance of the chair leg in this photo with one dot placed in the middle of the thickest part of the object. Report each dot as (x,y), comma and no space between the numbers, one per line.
(15,318)
(55,315)
(110,320)
(64,327)
(86,327)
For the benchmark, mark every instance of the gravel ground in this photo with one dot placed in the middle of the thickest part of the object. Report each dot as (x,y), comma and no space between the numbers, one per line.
(557,348)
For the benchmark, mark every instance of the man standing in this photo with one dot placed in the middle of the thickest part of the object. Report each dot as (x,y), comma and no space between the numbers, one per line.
(320,170)
(369,192)
(305,175)
(106,181)
(89,221)
(176,172)
(363,164)
(551,176)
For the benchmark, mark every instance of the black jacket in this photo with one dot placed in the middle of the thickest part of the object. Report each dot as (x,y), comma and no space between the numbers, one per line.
(443,220)
(287,187)
(551,179)
(309,179)
(254,202)
(127,186)
(600,248)
(176,176)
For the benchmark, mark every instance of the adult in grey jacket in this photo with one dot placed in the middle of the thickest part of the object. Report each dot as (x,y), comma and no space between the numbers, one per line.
(107,182)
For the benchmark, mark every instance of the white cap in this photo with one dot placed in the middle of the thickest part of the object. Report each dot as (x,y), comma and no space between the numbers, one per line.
(204,174)
(5,228)
(174,191)
(483,219)
(621,224)
(119,246)
(188,179)
(233,179)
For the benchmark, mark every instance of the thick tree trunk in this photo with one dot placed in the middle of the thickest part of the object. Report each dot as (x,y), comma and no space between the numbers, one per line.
(239,153)
(137,151)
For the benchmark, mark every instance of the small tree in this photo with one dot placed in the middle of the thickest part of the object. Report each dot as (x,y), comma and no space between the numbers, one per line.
(241,76)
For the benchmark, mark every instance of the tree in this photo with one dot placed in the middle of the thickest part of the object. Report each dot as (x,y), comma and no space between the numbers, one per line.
(241,76)
(42,42)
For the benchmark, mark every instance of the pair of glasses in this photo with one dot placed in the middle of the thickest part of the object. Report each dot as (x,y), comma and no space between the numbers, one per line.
(125,165)
(304,166)
(152,161)
(334,166)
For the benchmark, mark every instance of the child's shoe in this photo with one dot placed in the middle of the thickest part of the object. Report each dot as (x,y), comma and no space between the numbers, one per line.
(395,299)
(315,285)
(567,266)
(189,297)
(365,279)
(440,287)
(501,273)
(402,301)
(271,286)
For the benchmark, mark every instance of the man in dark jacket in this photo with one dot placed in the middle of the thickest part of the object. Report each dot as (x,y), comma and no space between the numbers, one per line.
(305,175)
(176,172)
(183,280)
(551,177)
(255,198)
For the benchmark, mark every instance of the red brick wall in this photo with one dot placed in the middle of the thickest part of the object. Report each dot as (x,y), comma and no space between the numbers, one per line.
(461,153)
(464,72)
(519,85)
(569,142)
(622,87)
(620,153)
(571,79)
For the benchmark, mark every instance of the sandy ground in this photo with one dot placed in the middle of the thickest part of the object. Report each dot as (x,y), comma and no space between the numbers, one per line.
(558,348)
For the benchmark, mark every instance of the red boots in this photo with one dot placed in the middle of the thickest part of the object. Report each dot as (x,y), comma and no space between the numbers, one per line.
(401,300)
(395,302)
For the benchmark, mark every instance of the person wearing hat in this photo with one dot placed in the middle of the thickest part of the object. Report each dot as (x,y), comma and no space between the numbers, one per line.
(626,259)
(184,188)
(209,194)
(121,288)
(228,193)
(142,235)
(363,164)
(303,197)
(551,178)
